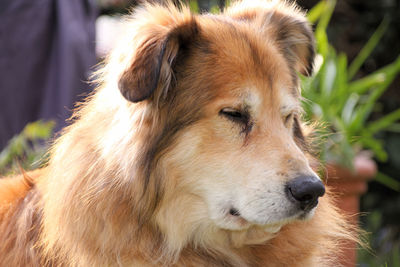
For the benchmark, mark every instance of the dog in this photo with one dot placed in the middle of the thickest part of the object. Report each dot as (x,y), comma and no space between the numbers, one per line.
(191,152)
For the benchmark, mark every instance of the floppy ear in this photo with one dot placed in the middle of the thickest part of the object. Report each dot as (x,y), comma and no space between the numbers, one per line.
(286,24)
(159,39)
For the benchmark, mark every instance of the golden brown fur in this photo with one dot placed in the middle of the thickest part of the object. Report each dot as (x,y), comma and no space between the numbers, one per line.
(139,177)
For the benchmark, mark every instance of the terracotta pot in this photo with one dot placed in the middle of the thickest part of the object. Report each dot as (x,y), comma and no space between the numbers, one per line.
(348,186)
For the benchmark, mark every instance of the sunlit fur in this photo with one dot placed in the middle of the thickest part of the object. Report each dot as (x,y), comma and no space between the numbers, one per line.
(147,172)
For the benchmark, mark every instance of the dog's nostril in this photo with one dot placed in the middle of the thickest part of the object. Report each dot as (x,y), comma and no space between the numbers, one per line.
(306,190)
(234,212)
(301,198)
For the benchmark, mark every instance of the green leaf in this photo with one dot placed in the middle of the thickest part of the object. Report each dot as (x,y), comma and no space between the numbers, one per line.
(348,109)
(215,9)
(364,111)
(328,78)
(368,48)
(24,149)
(325,17)
(320,30)
(388,181)
(395,127)
(38,130)
(315,13)
(362,85)
(384,122)
(341,92)
(194,6)
(375,145)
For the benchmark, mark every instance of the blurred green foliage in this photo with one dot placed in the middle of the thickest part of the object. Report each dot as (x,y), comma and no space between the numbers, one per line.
(26,150)
(212,6)
(343,105)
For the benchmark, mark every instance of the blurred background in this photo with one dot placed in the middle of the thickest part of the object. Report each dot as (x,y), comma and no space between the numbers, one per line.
(49,48)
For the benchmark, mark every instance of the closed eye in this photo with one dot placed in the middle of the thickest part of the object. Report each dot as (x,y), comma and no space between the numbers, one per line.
(235,115)
(239,117)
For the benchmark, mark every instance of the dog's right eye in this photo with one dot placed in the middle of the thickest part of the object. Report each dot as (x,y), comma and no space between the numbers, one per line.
(235,115)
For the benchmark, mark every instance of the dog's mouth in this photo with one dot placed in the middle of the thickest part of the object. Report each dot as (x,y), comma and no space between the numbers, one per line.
(234,212)
(234,217)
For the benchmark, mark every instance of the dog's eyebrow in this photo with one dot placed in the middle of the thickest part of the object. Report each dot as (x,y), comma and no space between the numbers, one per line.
(250,101)
(286,109)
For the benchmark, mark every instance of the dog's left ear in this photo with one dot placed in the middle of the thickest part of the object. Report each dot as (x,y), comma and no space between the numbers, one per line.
(158,41)
(286,24)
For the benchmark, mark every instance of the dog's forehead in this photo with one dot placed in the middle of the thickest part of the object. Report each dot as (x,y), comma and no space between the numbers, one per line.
(239,56)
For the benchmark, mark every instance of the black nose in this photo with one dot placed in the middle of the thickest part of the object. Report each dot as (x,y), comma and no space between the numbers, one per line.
(306,190)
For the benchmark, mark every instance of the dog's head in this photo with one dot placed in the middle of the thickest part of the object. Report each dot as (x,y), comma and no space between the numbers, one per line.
(226,145)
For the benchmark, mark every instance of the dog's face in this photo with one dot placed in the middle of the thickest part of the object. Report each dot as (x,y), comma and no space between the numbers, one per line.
(225,92)
(244,154)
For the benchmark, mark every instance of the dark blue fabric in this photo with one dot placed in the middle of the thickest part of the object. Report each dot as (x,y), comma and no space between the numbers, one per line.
(47,50)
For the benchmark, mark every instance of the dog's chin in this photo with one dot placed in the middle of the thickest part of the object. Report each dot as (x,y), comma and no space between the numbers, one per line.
(238,222)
